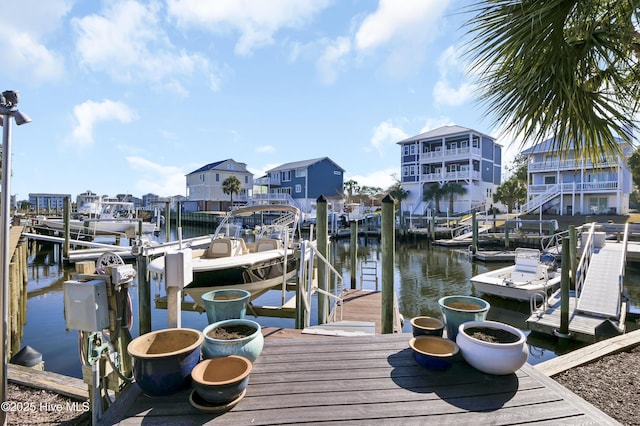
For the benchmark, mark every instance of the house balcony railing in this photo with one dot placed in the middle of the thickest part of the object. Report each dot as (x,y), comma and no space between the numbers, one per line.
(450,154)
(577,187)
(554,165)
(448,176)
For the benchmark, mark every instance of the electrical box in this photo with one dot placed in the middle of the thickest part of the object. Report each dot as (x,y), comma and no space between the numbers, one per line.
(178,269)
(122,274)
(86,306)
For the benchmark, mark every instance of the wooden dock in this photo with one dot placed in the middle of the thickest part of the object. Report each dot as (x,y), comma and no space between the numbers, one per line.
(367,380)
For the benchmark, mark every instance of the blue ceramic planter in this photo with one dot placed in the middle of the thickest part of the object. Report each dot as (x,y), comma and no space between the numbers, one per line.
(433,352)
(163,359)
(426,326)
(457,310)
(224,304)
(221,380)
(249,347)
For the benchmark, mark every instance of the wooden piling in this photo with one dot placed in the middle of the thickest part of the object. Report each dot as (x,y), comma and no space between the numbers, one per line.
(563,331)
(323,248)
(353,249)
(388,254)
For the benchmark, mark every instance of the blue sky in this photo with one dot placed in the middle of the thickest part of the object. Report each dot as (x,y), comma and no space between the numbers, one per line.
(129,96)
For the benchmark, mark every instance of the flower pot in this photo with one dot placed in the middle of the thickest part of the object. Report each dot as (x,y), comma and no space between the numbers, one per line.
(426,326)
(163,359)
(247,344)
(433,352)
(460,309)
(493,357)
(225,304)
(219,381)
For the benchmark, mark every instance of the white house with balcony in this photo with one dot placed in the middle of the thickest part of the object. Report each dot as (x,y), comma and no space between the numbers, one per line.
(204,186)
(566,185)
(450,154)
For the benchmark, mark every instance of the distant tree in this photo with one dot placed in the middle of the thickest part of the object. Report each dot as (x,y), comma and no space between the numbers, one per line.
(510,192)
(351,187)
(634,166)
(433,192)
(518,168)
(230,186)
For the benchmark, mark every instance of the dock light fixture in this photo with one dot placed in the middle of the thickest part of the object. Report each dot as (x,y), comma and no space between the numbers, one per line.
(8,101)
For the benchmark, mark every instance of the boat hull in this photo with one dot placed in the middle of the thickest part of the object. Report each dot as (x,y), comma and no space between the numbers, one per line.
(495,283)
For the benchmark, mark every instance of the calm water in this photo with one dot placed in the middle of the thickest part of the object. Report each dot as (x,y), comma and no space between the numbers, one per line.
(422,275)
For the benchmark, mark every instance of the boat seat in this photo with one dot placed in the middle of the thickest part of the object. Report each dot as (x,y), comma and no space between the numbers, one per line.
(224,247)
(265,244)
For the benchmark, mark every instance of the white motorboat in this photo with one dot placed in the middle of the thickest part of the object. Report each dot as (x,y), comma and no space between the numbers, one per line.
(103,218)
(231,262)
(528,276)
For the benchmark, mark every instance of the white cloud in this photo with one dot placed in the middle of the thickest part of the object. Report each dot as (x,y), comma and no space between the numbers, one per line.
(157,179)
(127,42)
(333,59)
(434,123)
(24,30)
(90,113)
(266,148)
(256,21)
(386,134)
(404,28)
(379,178)
(451,67)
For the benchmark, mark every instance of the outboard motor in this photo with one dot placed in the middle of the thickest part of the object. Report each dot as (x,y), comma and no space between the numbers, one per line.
(550,261)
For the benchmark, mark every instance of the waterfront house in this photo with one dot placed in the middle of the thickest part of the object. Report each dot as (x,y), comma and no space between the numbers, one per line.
(450,154)
(301,183)
(45,202)
(204,186)
(576,186)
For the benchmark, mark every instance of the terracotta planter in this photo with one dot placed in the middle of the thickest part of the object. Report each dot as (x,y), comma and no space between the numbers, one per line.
(460,309)
(426,326)
(249,346)
(489,357)
(225,303)
(163,359)
(221,380)
(433,352)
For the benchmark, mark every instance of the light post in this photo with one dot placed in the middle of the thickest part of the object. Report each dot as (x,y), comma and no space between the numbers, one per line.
(8,101)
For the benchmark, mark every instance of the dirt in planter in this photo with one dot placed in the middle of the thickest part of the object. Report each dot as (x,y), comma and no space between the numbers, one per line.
(464,306)
(230,332)
(492,335)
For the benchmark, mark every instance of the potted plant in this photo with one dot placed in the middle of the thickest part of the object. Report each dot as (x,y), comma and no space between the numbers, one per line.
(459,309)
(492,347)
(225,303)
(241,337)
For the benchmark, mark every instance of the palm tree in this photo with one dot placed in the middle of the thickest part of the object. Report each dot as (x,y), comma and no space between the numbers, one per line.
(509,192)
(231,185)
(398,193)
(452,189)
(433,192)
(351,187)
(560,69)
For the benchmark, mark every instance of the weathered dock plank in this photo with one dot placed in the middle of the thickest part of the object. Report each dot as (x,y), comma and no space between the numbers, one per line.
(365,380)
(47,380)
(589,353)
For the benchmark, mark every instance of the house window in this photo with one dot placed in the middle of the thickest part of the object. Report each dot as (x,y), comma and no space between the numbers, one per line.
(298,188)
(412,149)
(301,172)
(405,171)
(246,179)
(217,177)
(286,176)
(549,180)
(405,149)
(412,170)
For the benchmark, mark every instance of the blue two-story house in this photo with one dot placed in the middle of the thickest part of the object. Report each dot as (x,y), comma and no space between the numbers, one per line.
(302,182)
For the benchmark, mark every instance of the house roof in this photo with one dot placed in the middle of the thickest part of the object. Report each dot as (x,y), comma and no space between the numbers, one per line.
(443,131)
(213,166)
(302,164)
(547,146)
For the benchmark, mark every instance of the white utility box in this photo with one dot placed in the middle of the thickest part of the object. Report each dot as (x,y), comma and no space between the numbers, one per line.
(178,269)
(86,306)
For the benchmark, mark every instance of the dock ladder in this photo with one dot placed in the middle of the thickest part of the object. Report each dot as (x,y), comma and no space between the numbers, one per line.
(369,272)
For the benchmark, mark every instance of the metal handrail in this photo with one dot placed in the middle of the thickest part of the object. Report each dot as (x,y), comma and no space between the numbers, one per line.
(585,259)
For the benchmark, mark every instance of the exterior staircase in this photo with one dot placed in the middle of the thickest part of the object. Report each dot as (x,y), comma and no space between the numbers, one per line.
(540,199)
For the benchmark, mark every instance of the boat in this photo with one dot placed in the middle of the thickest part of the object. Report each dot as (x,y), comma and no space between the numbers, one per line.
(102,218)
(530,274)
(231,262)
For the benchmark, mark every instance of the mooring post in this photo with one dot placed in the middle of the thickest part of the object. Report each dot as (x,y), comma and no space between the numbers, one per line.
(67,227)
(573,252)
(353,248)
(388,255)
(167,221)
(144,295)
(474,231)
(506,235)
(563,332)
(323,249)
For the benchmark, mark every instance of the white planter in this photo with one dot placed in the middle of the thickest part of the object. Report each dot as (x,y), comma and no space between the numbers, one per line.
(492,358)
